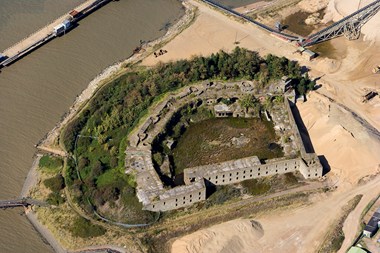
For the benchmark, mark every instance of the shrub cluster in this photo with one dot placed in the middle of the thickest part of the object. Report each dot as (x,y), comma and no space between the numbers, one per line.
(85,229)
(50,163)
(55,184)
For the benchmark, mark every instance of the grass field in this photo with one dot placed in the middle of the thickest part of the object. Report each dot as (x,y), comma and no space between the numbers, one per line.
(215,140)
(50,163)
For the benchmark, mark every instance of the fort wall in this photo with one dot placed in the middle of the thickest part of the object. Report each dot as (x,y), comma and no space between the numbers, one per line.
(180,196)
(235,171)
(150,190)
(311,166)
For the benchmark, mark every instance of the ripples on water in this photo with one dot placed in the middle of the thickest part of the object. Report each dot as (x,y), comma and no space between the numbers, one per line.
(36,91)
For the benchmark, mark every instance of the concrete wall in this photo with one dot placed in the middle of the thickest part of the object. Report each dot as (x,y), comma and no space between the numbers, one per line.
(155,198)
(311,167)
(184,199)
(225,177)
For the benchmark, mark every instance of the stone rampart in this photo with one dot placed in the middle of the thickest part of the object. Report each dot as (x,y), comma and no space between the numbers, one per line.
(241,169)
(311,166)
(180,196)
(150,190)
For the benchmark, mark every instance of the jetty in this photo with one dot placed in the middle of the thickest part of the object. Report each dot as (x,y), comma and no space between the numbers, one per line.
(24,202)
(55,29)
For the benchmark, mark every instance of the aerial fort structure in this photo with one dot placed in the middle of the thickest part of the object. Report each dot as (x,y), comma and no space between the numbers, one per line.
(151,191)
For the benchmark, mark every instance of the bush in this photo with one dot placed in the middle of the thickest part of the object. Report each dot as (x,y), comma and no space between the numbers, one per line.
(55,184)
(83,162)
(222,195)
(290,179)
(157,158)
(85,229)
(256,187)
(50,163)
(54,198)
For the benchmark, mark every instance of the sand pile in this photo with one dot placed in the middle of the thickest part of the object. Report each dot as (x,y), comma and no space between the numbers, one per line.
(351,151)
(233,236)
(313,5)
(337,9)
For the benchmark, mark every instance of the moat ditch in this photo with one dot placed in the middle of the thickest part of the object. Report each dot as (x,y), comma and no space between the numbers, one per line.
(195,137)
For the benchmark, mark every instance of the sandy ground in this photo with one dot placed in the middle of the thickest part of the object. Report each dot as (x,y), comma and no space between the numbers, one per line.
(213,31)
(338,9)
(312,5)
(233,236)
(300,230)
(352,222)
(251,7)
(350,149)
(32,177)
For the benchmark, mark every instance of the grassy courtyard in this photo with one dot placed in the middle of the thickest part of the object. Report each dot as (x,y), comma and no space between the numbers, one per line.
(222,139)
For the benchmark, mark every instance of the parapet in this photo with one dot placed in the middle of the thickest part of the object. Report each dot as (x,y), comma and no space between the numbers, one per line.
(180,196)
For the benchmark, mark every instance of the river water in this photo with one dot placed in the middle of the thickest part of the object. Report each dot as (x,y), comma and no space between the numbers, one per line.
(37,90)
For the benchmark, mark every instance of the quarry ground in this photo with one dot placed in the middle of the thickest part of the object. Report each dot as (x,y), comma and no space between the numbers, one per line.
(342,129)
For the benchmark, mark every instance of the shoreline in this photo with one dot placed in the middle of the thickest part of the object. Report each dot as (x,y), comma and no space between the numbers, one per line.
(232,34)
(49,142)
(30,182)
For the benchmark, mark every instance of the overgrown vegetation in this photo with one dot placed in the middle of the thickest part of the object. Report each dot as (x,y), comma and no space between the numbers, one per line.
(264,185)
(55,184)
(221,139)
(85,229)
(55,198)
(97,137)
(50,163)
(256,187)
(335,237)
(222,194)
(199,138)
(249,101)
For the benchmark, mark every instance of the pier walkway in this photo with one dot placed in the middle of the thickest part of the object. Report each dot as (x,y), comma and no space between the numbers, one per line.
(20,202)
(47,33)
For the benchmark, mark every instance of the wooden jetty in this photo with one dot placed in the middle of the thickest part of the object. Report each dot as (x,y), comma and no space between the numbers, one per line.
(4,204)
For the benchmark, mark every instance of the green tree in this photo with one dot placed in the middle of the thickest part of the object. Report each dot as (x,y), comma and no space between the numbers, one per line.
(301,87)
(55,184)
(85,229)
(311,85)
(250,101)
(83,162)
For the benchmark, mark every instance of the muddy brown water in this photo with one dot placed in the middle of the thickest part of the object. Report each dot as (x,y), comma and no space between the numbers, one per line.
(37,90)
